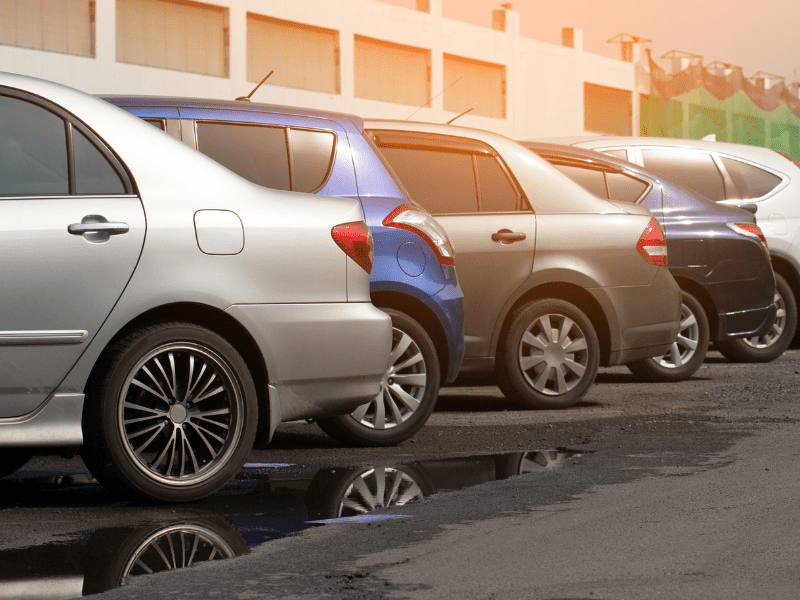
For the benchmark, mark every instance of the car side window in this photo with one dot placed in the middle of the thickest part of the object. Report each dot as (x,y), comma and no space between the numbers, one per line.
(33,150)
(497,193)
(625,188)
(750,181)
(256,152)
(620,153)
(93,173)
(160,123)
(591,180)
(441,181)
(694,170)
(312,158)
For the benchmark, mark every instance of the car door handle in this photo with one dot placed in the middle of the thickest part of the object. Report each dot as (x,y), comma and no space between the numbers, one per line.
(107,228)
(507,236)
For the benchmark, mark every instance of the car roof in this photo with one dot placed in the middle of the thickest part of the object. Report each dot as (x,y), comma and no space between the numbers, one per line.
(212,103)
(757,154)
(565,151)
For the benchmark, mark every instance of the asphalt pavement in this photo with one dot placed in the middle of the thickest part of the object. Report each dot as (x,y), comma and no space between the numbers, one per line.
(685,490)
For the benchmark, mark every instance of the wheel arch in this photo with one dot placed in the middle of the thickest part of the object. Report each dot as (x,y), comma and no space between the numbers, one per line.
(217,321)
(569,292)
(705,300)
(789,271)
(422,313)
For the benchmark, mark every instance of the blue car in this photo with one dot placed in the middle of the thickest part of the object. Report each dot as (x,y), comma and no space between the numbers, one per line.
(413,277)
(717,254)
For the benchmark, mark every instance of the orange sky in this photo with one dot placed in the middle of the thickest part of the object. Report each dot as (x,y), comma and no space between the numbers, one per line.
(759,36)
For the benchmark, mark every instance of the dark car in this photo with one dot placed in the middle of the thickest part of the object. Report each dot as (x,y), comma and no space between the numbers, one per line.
(413,277)
(717,254)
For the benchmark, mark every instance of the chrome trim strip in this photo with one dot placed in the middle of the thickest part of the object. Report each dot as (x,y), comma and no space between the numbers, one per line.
(43,337)
(56,423)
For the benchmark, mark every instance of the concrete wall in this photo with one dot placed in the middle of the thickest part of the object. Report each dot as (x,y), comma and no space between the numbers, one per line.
(544,82)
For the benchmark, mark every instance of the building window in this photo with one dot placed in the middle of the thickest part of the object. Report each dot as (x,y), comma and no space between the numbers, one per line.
(302,56)
(173,34)
(391,72)
(478,85)
(57,25)
(607,110)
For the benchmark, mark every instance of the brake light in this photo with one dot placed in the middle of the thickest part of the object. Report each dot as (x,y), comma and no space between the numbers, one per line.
(420,222)
(749,230)
(652,245)
(355,240)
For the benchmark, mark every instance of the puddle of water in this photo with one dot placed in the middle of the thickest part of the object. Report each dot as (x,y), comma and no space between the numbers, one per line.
(266,502)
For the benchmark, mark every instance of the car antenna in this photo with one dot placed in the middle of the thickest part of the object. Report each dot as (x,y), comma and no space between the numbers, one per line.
(436,96)
(247,98)
(461,115)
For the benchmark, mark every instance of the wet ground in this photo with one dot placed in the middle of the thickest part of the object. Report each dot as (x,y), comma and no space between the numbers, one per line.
(64,536)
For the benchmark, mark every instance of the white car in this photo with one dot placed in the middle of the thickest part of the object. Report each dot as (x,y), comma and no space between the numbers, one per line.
(732,174)
(157,308)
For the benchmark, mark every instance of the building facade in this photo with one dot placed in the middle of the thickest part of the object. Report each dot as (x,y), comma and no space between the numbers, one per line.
(360,56)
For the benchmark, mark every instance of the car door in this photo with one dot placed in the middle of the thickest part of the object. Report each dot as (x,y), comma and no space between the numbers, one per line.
(73,230)
(468,188)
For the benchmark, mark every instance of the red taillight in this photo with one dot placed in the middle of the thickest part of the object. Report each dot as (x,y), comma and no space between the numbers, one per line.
(421,223)
(356,241)
(749,230)
(652,245)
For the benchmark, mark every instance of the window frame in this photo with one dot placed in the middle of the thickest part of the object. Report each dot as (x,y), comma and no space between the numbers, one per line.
(461,145)
(70,121)
(592,164)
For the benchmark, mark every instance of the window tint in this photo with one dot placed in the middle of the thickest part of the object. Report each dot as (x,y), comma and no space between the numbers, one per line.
(694,170)
(498,194)
(750,181)
(621,154)
(33,150)
(312,155)
(93,173)
(624,187)
(590,179)
(157,123)
(442,182)
(255,152)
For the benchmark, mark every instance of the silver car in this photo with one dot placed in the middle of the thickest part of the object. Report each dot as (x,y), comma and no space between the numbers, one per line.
(159,309)
(734,174)
(556,281)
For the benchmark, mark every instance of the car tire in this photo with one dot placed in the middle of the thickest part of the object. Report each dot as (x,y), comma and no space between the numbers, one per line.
(402,407)
(686,353)
(13,459)
(537,371)
(146,402)
(767,347)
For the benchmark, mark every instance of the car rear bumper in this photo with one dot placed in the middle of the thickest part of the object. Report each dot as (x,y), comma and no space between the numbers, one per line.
(643,321)
(322,359)
(746,323)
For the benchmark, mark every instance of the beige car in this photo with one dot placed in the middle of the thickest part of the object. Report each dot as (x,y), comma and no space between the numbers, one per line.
(556,281)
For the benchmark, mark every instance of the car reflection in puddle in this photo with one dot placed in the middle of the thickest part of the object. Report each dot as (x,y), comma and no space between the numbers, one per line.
(265,502)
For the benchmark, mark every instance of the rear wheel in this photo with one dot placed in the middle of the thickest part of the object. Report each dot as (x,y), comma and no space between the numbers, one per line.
(771,345)
(408,393)
(686,353)
(549,356)
(172,415)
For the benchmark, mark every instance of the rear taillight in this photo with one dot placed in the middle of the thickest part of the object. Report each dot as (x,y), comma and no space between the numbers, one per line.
(652,245)
(749,230)
(418,221)
(356,241)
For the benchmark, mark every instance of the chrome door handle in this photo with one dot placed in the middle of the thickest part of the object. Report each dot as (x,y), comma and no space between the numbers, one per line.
(506,236)
(107,228)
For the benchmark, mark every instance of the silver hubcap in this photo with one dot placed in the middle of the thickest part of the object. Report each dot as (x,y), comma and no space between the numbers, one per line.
(772,336)
(683,348)
(175,547)
(402,388)
(377,488)
(553,354)
(180,413)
